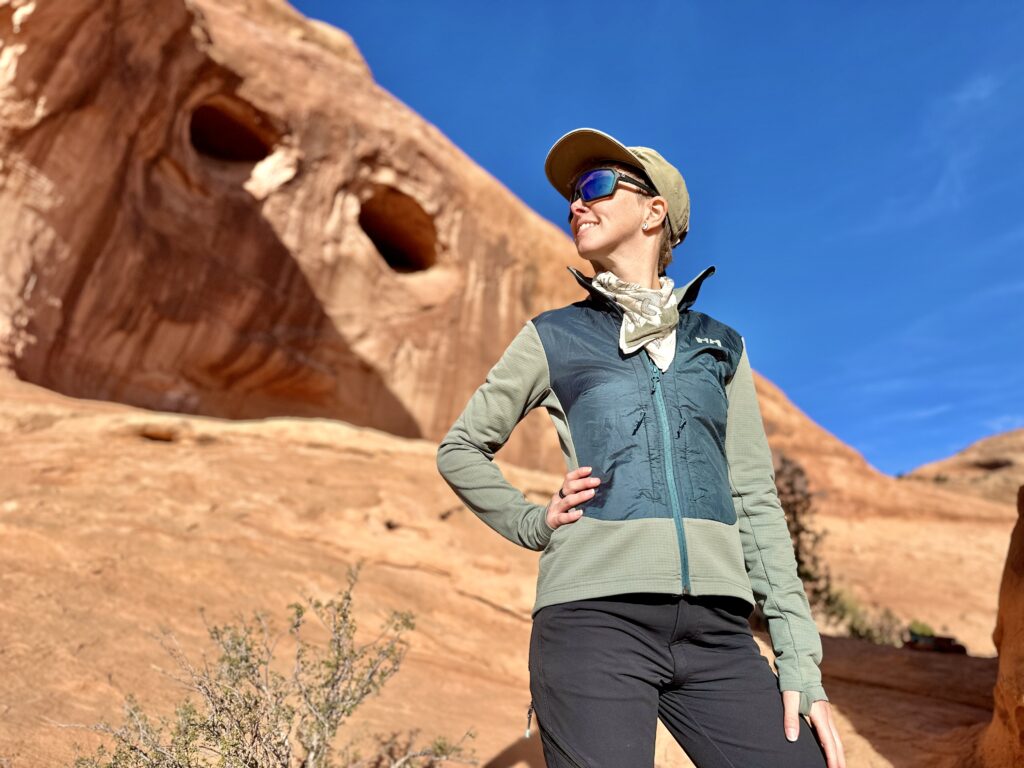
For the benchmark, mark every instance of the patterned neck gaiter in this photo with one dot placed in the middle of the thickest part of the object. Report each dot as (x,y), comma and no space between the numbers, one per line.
(650,316)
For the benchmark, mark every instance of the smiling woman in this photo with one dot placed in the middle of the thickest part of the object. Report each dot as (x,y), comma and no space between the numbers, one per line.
(667,528)
(599,183)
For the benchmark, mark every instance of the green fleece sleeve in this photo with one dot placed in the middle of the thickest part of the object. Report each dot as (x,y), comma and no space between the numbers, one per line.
(515,385)
(767,546)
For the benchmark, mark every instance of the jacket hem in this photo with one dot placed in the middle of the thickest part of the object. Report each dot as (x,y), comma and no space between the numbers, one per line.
(706,586)
(666,585)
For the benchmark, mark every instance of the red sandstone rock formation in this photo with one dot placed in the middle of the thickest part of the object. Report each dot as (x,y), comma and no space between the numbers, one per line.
(991,468)
(879,543)
(249,239)
(1002,743)
(210,207)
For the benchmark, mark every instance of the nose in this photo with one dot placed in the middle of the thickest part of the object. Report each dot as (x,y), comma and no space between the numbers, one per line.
(577,208)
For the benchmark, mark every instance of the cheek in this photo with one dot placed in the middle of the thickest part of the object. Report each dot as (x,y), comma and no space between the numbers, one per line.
(621,224)
(618,217)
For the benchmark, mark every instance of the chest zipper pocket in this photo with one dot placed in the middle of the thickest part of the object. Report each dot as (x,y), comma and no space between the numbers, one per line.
(640,421)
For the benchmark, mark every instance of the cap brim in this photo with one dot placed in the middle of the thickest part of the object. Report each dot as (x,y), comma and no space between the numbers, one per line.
(572,153)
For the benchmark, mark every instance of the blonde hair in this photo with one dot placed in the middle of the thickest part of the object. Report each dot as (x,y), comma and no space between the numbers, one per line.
(664,249)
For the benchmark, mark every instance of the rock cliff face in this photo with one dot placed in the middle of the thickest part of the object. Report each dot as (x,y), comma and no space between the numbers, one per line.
(875,541)
(991,468)
(1002,743)
(210,207)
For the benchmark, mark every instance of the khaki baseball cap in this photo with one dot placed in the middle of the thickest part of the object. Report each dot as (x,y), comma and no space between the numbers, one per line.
(580,149)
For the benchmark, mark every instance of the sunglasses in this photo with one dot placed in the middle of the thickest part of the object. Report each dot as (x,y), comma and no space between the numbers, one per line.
(601,182)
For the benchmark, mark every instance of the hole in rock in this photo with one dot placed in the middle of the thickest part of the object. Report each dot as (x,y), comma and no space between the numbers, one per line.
(231,131)
(402,231)
(993,464)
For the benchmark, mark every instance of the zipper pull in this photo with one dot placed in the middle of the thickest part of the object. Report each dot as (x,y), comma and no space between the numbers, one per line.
(529,716)
(682,421)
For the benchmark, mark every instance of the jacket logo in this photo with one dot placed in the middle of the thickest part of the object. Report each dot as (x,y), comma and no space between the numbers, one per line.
(708,341)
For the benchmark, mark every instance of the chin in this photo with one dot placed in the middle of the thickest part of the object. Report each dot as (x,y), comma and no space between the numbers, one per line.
(590,252)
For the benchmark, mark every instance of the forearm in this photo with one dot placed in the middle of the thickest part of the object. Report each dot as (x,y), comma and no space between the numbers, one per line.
(483,488)
(767,546)
(771,568)
(517,383)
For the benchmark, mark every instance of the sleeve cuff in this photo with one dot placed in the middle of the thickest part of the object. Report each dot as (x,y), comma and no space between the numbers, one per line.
(809,696)
(542,529)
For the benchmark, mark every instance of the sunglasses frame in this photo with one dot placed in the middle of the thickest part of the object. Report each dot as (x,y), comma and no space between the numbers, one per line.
(619,176)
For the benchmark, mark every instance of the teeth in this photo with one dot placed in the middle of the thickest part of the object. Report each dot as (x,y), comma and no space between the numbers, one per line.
(585,225)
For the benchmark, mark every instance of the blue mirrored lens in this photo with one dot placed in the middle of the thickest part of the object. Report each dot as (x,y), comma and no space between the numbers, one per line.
(596,184)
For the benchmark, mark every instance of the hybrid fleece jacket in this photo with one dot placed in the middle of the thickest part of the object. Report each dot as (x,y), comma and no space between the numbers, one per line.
(687,502)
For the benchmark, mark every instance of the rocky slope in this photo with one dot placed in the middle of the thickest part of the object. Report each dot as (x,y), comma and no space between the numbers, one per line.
(991,468)
(879,540)
(115,522)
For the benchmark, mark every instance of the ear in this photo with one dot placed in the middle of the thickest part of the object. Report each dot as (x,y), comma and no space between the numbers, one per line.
(658,211)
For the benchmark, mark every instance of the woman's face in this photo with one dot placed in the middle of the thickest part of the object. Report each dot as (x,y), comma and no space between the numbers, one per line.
(601,226)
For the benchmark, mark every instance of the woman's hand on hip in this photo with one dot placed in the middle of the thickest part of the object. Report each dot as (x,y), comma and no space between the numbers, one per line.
(823,721)
(576,489)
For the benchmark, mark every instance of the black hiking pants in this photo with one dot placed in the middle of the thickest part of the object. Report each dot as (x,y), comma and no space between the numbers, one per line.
(603,670)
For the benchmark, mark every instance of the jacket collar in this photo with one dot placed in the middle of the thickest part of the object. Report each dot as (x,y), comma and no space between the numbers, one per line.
(687,294)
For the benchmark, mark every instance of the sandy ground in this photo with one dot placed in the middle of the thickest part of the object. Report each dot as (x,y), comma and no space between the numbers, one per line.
(107,535)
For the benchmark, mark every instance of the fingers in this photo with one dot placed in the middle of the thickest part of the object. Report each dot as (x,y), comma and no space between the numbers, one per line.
(577,488)
(791,714)
(828,743)
(567,504)
(577,481)
(828,734)
(840,754)
(557,519)
(574,474)
(821,720)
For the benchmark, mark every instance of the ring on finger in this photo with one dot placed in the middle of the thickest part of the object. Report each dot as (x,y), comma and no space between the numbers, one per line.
(560,493)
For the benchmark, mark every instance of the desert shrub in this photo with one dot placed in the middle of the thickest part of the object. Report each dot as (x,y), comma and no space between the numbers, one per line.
(920,628)
(242,712)
(878,626)
(798,503)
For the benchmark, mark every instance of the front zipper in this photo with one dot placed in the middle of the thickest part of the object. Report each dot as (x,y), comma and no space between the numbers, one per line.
(666,443)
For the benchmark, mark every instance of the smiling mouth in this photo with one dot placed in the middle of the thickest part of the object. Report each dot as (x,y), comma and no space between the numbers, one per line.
(585,225)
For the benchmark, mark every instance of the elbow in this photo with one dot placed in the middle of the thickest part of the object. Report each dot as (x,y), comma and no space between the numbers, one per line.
(442,458)
(448,457)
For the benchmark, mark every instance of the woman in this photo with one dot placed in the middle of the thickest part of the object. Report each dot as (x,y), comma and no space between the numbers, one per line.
(667,528)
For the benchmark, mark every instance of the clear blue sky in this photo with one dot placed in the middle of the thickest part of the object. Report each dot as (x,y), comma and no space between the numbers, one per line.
(856,169)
